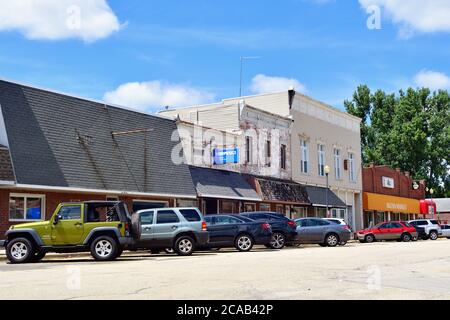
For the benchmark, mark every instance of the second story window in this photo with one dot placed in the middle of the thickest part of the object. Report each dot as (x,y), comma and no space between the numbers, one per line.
(321,159)
(304,156)
(268,152)
(248,150)
(283,156)
(337,164)
(351,167)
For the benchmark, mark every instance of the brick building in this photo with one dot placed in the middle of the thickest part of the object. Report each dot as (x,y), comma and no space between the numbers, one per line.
(389,194)
(58,148)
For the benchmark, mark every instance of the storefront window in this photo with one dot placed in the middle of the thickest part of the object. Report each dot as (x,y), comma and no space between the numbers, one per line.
(264,207)
(181,203)
(321,212)
(249,207)
(379,217)
(26,207)
(228,207)
(395,216)
(298,212)
(280,208)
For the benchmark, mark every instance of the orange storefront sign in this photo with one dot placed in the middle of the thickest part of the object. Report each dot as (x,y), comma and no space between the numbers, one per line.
(381,202)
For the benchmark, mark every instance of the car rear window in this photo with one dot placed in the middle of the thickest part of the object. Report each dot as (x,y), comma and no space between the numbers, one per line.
(166,216)
(434,222)
(190,215)
(334,221)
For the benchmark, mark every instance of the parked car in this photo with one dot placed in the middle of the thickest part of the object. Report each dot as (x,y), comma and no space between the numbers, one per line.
(284,230)
(392,230)
(180,229)
(101,227)
(323,232)
(445,230)
(235,231)
(432,229)
(339,221)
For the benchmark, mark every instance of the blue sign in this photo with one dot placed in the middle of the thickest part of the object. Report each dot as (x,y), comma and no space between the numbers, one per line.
(224,156)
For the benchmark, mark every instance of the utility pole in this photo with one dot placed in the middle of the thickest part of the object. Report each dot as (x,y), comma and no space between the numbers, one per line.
(241,74)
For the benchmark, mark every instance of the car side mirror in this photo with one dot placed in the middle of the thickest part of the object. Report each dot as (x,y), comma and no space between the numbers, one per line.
(56,219)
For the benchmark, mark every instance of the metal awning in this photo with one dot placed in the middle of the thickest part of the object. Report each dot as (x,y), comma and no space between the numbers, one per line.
(317,197)
(221,184)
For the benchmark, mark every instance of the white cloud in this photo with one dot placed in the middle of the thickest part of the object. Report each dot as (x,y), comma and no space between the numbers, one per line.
(88,20)
(432,79)
(415,15)
(155,95)
(266,84)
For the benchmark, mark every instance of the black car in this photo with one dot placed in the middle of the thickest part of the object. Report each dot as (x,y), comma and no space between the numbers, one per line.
(235,231)
(284,229)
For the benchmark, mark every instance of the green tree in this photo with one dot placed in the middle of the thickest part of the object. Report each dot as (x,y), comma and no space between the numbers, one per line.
(410,131)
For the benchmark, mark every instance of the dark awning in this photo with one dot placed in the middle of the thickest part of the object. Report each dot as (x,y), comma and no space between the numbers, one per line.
(221,184)
(317,197)
(272,189)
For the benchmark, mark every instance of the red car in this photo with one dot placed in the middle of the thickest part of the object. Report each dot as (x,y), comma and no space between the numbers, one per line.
(392,230)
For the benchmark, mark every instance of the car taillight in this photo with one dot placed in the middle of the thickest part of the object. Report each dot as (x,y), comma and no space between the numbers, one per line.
(203,226)
(347,227)
(127,228)
(292,223)
(265,226)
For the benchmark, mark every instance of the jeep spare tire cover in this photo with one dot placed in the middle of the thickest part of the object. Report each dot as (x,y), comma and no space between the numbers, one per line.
(135,226)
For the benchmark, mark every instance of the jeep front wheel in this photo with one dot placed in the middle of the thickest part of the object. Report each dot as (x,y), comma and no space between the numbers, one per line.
(104,248)
(20,250)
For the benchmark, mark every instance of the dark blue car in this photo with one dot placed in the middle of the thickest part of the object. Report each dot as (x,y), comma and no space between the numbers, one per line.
(284,230)
(236,231)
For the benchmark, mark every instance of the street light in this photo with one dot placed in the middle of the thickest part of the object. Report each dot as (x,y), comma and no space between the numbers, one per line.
(327,172)
(431,191)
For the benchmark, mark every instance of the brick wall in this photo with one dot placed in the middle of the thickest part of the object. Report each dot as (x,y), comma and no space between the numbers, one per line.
(52,199)
(372,182)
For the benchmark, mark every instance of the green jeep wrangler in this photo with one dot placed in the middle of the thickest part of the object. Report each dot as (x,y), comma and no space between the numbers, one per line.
(101,227)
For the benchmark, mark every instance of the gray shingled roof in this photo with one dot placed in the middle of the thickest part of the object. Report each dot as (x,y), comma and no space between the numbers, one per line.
(213,183)
(317,196)
(273,189)
(6,169)
(59,140)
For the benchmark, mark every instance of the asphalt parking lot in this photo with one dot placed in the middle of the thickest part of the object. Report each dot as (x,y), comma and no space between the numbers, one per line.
(387,270)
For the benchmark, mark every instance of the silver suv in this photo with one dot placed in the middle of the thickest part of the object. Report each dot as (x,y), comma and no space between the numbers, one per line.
(427,228)
(179,228)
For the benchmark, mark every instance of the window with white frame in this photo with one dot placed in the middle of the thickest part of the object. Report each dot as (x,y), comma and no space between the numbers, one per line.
(26,207)
(268,152)
(321,159)
(304,156)
(351,166)
(337,164)
(248,150)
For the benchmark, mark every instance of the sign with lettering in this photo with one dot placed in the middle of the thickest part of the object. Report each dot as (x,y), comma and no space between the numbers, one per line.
(224,156)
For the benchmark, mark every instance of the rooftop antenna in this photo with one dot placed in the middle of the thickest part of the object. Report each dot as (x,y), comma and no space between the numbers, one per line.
(242,62)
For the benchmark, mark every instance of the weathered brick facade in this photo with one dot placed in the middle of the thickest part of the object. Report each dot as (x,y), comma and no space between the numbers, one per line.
(372,182)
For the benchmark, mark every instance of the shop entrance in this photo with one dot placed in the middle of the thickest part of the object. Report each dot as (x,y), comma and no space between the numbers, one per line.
(210,206)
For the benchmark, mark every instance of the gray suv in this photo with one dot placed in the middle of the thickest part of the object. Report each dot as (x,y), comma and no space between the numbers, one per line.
(179,228)
(427,228)
(322,232)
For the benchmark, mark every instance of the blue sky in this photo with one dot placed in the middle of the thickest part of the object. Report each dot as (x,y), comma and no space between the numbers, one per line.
(147,54)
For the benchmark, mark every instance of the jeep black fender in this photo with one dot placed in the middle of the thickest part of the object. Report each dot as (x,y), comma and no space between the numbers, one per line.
(15,233)
(98,230)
